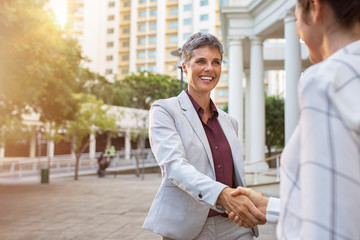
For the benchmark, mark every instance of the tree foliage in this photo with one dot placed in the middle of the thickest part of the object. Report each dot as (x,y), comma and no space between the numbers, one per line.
(38,65)
(136,90)
(91,118)
(275,133)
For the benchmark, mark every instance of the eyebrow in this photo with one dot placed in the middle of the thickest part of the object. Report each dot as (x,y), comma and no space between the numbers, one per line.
(200,58)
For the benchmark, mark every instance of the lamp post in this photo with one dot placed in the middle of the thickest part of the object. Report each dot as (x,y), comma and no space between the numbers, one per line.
(178,53)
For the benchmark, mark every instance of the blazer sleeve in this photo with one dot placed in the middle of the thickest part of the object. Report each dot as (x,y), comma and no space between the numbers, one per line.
(168,149)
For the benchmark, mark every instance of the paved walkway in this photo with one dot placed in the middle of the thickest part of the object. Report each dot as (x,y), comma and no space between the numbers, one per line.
(87,209)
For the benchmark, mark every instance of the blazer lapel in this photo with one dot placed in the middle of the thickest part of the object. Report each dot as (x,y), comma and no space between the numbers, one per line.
(192,116)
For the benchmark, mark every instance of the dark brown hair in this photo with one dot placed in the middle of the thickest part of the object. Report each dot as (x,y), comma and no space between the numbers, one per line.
(346,11)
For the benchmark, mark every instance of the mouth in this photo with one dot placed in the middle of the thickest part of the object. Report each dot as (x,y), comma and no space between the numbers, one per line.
(206,78)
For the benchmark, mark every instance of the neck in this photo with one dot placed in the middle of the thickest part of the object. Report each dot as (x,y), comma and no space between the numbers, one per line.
(339,39)
(202,99)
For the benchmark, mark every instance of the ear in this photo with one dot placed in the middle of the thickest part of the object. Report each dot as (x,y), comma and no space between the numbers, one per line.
(184,68)
(317,10)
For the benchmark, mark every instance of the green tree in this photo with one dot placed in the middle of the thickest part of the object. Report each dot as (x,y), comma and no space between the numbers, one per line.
(38,65)
(91,118)
(274,109)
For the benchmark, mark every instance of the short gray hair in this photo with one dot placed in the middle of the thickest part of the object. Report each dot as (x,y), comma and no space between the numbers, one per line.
(199,40)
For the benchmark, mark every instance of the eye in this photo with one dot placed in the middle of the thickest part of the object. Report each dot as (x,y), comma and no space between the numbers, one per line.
(217,62)
(201,61)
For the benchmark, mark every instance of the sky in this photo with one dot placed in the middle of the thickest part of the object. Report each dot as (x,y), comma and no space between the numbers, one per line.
(60,9)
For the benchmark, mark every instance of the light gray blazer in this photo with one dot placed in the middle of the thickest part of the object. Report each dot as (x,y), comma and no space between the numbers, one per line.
(188,189)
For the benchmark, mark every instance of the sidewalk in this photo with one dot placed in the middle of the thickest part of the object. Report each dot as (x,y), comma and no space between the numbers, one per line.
(91,208)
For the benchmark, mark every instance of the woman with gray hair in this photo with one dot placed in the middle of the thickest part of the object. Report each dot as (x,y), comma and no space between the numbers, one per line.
(197,148)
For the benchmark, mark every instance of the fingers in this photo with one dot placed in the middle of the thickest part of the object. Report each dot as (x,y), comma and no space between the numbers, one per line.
(240,190)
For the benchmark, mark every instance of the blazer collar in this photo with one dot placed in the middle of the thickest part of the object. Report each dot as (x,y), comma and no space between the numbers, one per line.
(193,118)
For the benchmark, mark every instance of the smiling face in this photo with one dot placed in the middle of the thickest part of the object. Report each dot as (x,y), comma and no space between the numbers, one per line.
(203,71)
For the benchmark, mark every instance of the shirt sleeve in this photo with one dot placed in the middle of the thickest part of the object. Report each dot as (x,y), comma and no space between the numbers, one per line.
(273,210)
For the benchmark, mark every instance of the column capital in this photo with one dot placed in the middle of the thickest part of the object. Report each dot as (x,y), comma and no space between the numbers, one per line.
(235,40)
(256,40)
(289,16)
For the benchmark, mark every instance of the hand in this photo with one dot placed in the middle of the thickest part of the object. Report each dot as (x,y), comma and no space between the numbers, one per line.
(257,198)
(241,206)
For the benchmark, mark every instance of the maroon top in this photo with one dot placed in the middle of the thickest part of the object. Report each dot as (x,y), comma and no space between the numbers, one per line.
(220,148)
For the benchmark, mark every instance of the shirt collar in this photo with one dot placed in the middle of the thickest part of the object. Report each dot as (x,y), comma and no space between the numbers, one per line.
(200,110)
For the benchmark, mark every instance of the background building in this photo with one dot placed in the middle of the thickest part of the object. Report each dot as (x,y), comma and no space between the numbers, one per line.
(120,37)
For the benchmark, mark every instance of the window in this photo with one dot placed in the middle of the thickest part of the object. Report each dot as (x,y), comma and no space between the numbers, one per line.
(108,71)
(204,17)
(223,93)
(186,36)
(223,2)
(125,57)
(153,12)
(141,68)
(124,71)
(126,30)
(126,44)
(187,7)
(109,58)
(111,4)
(127,4)
(152,26)
(173,39)
(173,11)
(152,40)
(142,27)
(187,21)
(109,44)
(204,30)
(141,55)
(142,13)
(224,77)
(142,1)
(127,17)
(141,41)
(173,24)
(111,18)
(110,30)
(152,54)
(204,2)
(152,68)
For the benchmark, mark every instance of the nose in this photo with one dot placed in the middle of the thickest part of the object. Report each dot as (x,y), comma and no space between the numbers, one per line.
(209,67)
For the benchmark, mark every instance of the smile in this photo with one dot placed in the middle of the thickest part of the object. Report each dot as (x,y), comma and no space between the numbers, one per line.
(207,78)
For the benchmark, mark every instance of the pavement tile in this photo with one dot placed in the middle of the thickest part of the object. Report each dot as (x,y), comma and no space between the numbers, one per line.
(88,209)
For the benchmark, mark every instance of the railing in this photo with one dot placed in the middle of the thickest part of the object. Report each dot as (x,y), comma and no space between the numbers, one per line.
(255,172)
(65,164)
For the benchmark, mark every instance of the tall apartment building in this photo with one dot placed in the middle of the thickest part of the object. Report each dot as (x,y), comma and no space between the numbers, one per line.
(121,37)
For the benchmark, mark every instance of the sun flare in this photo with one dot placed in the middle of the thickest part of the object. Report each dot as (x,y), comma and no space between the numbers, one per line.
(59,7)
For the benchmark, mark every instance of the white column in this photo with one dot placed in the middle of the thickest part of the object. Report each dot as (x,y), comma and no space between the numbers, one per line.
(127,144)
(32,153)
(236,67)
(50,148)
(50,142)
(247,119)
(293,71)
(2,150)
(257,109)
(92,146)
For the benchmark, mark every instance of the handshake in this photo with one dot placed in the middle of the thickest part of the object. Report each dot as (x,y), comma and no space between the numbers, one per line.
(246,207)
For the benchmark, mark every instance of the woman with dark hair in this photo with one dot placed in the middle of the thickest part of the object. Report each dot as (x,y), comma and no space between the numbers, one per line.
(320,170)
